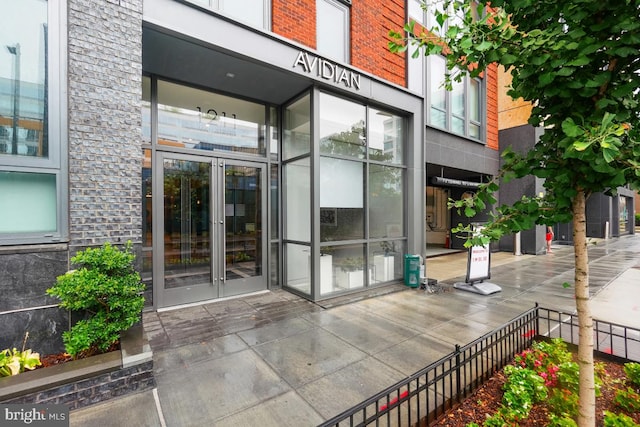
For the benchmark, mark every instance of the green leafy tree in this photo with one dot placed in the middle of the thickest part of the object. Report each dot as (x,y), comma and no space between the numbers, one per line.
(577,62)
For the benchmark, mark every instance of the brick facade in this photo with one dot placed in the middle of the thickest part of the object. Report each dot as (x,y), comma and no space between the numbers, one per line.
(511,113)
(371,21)
(491,77)
(295,20)
(105,92)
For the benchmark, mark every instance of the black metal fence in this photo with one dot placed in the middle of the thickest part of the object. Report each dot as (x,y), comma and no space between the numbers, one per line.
(422,398)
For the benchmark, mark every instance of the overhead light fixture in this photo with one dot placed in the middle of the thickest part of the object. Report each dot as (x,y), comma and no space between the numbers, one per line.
(231,75)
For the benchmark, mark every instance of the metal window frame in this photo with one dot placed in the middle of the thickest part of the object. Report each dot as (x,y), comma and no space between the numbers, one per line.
(57,163)
(345,7)
(467,103)
(214,6)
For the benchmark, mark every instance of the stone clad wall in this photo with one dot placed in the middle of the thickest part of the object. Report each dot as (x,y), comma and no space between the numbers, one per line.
(105,92)
(26,273)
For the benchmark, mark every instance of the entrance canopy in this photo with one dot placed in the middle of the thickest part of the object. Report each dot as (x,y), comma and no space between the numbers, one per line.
(178,57)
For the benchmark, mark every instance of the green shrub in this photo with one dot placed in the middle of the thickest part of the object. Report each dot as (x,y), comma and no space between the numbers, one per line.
(638,219)
(628,400)
(618,420)
(632,369)
(561,421)
(108,289)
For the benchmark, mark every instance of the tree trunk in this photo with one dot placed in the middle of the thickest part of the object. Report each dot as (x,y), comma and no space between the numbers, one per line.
(587,406)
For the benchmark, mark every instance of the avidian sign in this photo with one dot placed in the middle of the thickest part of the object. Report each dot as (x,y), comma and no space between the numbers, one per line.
(327,70)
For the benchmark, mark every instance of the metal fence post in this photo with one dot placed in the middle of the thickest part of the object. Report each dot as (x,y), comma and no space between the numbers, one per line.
(458,394)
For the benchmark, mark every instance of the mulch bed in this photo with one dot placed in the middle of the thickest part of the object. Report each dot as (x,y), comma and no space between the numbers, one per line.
(487,399)
(59,358)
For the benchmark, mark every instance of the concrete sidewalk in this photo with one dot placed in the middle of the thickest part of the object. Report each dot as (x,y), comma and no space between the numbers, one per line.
(619,302)
(277,360)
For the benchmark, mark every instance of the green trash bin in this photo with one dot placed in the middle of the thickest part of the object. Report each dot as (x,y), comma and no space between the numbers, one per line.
(412,270)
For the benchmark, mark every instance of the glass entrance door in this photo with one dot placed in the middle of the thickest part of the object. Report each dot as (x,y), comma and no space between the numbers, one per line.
(211,216)
(243,240)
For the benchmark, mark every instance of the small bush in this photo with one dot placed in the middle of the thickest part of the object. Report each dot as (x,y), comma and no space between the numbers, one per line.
(628,400)
(618,420)
(13,362)
(108,289)
(632,369)
(638,219)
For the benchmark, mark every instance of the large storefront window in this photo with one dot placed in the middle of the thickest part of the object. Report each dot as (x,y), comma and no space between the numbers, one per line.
(296,194)
(30,146)
(341,199)
(386,197)
(297,182)
(361,182)
(297,128)
(385,138)
(342,125)
(360,200)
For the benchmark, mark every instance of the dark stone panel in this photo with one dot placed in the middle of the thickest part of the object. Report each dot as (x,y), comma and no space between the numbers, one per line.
(521,139)
(564,234)
(95,389)
(45,327)
(25,277)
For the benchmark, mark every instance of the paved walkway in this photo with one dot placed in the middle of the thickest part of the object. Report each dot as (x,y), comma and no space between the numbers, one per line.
(278,360)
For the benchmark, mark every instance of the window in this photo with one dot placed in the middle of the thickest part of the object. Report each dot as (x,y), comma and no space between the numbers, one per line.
(459,110)
(252,12)
(361,194)
(190,118)
(434,6)
(332,29)
(438,93)
(416,12)
(416,72)
(31,111)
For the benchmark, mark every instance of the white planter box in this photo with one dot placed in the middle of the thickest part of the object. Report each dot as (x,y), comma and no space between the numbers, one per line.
(384,268)
(349,279)
(326,274)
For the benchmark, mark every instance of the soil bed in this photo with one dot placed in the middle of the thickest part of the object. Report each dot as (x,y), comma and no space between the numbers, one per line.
(487,400)
(59,358)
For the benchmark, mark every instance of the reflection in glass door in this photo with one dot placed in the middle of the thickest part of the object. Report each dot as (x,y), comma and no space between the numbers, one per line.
(212,239)
(243,237)
(187,254)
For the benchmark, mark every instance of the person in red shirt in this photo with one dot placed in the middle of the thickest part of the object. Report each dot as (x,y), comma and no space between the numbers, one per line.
(549,238)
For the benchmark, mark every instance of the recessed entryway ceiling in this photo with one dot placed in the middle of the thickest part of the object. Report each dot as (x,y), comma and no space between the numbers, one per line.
(194,62)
